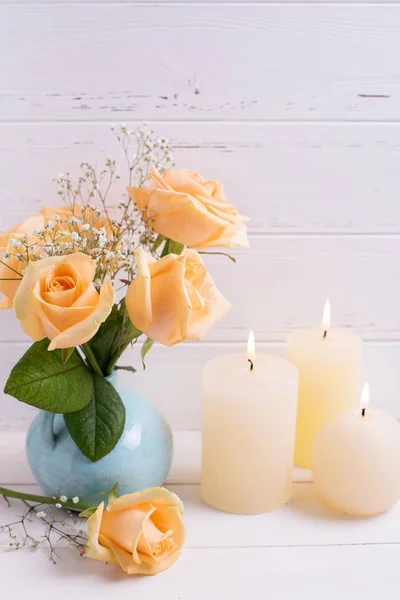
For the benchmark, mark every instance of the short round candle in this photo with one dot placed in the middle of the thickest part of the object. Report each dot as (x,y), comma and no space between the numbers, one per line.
(355,461)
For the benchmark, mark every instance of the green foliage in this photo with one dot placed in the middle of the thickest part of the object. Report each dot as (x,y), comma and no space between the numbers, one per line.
(88,512)
(171,247)
(97,428)
(145,348)
(41,379)
(113,495)
(175,247)
(158,241)
(65,354)
(125,368)
(113,337)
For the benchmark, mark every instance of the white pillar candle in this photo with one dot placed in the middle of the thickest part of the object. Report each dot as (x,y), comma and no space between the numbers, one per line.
(249,418)
(329,362)
(356,461)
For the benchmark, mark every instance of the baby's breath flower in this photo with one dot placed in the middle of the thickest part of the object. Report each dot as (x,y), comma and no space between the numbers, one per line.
(6,256)
(41,514)
(85,227)
(58,505)
(75,236)
(63,499)
(15,243)
(50,225)
(75,499)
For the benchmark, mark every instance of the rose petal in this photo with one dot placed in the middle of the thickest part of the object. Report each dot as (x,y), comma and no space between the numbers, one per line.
(125,527)
(93,548)
(156,495)
(170,518)
(127,563)
(138,296)
(83,331)
(6,302)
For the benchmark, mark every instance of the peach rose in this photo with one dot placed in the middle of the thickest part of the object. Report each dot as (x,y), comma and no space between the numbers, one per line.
(190,210)
(141,532)
(57,299)
(10,268)
(174,298)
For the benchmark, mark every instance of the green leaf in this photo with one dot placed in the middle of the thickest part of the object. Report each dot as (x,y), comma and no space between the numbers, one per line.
(113,495)
(114,335)
(165,250)
(125,368)
(172,247)
(65,354)
(97,428)
(145,348)
(175,247)
(88,512)
(157,243)
(41,379)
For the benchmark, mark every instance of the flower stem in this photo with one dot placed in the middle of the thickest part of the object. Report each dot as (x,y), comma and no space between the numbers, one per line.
(81,506)
(88,352)
(232,258)
(11,269)
(115,358)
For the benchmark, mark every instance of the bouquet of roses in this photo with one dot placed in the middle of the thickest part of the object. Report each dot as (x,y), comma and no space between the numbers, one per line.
(90,278)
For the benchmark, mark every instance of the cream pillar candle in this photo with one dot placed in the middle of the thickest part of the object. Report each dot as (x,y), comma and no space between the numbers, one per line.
(249,418)
(329,362)
(356,461)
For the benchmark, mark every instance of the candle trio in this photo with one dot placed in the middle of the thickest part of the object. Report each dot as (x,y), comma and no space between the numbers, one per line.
(261,412)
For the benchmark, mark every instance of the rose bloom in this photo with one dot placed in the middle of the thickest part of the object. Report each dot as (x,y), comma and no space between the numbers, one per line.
(13,266)
(141,532)
(57,299)
(188,209)
(174,298)
(9,271)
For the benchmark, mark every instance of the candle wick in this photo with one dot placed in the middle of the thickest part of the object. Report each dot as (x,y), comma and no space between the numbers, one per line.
(251,364)
(325,333)
(363,412)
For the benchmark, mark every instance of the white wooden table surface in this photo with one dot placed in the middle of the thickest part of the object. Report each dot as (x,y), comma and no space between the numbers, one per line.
(306,550)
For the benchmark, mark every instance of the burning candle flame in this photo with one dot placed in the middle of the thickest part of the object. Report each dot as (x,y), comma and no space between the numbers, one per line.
(364,397)
(251,348)
(326,316)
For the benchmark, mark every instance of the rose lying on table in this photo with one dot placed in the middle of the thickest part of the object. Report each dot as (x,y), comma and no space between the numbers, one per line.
(142,532)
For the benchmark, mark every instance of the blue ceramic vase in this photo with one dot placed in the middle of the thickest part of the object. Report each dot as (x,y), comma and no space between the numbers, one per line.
(141,459)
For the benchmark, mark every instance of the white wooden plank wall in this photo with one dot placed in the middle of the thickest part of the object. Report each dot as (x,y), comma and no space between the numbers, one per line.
(294,106)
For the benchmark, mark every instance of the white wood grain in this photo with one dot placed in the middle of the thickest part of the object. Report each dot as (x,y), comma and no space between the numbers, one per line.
(205,2)
(269,61)
(173,380)
(327,573)
(288,178)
